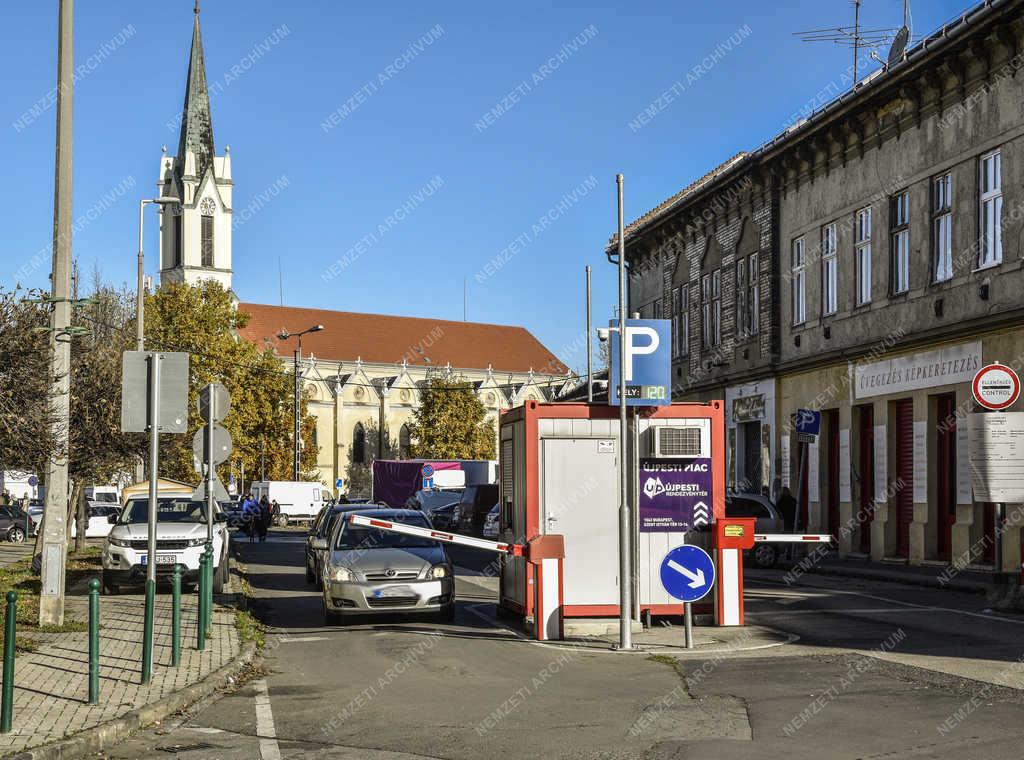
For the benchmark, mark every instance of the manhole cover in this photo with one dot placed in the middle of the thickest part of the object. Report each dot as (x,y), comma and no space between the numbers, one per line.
(174,749)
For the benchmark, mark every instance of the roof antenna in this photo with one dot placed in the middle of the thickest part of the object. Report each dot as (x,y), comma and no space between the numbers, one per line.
(853,36)
(196,9)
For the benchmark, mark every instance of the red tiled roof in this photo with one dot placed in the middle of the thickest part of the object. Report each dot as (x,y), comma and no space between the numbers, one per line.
(380,338)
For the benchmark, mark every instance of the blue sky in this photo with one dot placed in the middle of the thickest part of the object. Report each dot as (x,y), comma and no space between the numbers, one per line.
(504,163)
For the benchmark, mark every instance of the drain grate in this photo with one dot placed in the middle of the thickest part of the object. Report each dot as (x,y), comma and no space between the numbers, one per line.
(175,749)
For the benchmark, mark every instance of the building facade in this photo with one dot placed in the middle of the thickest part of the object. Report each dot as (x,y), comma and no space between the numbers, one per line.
(894,273)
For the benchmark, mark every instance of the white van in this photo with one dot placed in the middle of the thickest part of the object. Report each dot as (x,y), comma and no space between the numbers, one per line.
(299,501)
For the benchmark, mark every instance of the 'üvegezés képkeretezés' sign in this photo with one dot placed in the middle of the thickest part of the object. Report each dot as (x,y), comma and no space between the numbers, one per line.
(675,494)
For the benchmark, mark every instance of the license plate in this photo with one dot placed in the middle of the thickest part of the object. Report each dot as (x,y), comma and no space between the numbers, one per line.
(161,559)
(391,592)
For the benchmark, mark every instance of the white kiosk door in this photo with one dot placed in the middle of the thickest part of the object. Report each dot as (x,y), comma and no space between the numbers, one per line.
(579,499)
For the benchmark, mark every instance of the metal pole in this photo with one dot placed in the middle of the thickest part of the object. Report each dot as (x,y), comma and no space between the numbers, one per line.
(55,545)
(7,700)
(201,611)
(176,616)
(94,642)
(154,470)
(590,346)
(140,284)
(688,623)
(295,442)
(211,503)
(625,526)
(998,549)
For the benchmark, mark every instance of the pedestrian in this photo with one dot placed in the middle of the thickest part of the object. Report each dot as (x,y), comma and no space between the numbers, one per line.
(275,512)
(265,517)
(250,515)
(787,509)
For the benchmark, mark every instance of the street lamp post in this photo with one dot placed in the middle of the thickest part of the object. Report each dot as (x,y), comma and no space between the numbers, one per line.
(141,285)
(285,335)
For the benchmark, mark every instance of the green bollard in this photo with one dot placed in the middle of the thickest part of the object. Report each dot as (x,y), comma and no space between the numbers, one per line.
(200,622)
(176,616)
(7,700)
(209,589)
(94,642)
(147,633)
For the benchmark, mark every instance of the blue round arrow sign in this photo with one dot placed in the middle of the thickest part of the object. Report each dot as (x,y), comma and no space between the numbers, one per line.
(687,573)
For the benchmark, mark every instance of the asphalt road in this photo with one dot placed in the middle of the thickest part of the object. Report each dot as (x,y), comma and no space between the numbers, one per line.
(421,689)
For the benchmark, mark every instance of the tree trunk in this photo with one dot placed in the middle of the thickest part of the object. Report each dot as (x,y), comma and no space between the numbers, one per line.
(82,519)
(77,493)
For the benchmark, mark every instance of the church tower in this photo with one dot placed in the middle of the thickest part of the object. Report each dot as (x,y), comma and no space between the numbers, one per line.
(195,236)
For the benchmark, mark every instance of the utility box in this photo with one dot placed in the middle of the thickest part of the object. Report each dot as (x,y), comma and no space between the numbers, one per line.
(559,474)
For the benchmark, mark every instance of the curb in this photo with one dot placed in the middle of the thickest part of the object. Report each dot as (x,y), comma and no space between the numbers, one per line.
(107,734)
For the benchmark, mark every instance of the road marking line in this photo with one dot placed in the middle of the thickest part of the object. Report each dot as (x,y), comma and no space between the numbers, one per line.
(299,639)
(269,750)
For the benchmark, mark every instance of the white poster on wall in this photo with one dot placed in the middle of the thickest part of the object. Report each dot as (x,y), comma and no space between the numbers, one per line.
(881,465)
(997,456)
(813,490)
(920,461)
(784,456)
(844,465)
(963,465)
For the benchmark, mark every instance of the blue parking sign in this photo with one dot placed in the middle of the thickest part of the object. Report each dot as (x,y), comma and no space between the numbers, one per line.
(648,367)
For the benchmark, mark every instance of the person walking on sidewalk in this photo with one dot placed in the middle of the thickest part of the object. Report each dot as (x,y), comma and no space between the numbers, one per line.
(250,515)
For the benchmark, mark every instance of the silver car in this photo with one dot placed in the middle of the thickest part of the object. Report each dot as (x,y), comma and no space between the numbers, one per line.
(371,571)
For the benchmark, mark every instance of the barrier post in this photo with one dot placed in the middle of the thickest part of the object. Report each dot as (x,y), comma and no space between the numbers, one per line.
(209,588)
(176,616)
(200,621)
(147,633)
(7,699)
(94,642)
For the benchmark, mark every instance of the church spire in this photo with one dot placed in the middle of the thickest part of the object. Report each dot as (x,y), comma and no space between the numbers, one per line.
(196,122)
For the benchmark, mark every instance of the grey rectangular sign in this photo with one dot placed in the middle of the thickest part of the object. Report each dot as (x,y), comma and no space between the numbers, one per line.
(173,391)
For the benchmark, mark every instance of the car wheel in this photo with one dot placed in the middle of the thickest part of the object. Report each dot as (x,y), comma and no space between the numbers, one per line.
(281,521)
(16,534)
(765,556)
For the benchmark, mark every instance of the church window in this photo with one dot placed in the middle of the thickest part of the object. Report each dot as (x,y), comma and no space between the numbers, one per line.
(207,242)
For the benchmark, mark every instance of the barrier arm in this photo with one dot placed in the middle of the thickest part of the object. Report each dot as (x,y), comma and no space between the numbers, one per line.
(546,554)
(516,550)
(792,538)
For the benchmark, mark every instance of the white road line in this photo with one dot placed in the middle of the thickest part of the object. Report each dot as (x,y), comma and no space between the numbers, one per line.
(265,723)
(887,600)
(299,639)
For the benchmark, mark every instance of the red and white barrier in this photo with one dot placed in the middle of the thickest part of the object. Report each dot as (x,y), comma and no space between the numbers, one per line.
(545,553)
(792,538)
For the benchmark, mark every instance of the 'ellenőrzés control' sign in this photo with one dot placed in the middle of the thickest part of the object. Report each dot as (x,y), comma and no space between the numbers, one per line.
(675,494)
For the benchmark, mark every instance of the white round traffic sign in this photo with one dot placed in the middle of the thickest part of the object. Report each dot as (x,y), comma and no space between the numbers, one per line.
(996,386)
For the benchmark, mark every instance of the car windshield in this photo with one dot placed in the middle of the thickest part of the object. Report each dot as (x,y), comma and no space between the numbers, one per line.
(169,509)
(359,537)
(434,499)
(106,498)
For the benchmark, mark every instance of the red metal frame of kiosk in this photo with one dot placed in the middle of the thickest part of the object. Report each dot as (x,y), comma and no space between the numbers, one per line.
(532,412)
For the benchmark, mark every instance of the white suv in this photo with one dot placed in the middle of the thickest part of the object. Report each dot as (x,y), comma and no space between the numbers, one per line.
(180,539)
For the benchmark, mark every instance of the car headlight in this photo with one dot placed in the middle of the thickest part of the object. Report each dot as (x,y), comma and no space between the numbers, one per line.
(340,574)
(437,571)
(124,543)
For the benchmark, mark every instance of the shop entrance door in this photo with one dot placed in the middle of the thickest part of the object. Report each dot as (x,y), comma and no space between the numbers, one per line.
(945,465)
(866,473)
(904,412)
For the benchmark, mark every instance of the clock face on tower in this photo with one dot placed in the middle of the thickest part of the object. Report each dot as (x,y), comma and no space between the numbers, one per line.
(207,207)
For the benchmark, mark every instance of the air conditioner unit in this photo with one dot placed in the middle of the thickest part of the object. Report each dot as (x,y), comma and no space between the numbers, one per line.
(682,441)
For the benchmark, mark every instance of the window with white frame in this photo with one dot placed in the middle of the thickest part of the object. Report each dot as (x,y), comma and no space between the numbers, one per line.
(942,227)
(753,294)
(899,242)
(799,281)
(680,321)
(829,270)
(711,309)
(862,253)
(991,251)
(741,297)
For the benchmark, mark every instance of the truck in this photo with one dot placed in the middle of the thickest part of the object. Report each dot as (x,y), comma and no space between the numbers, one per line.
(299,501)
(395,481)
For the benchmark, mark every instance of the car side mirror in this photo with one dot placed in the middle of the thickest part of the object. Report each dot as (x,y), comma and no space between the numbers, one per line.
(319,543)
(112,519)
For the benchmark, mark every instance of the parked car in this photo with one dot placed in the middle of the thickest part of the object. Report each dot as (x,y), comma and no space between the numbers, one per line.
(368,570)
(13,524)
(491,523)
(180,539)
(476,502)
(442,518)
(768,521)
(428,501)
(319,531)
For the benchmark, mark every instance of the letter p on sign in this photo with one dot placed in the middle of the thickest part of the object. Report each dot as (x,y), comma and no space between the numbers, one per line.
(640,341)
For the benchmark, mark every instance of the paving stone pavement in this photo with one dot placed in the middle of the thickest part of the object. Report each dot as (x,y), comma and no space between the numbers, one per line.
(51,684)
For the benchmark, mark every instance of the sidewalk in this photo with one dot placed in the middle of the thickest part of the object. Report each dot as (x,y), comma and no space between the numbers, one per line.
(51,684)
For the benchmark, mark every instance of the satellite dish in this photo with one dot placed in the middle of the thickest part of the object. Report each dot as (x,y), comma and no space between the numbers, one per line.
(899,46)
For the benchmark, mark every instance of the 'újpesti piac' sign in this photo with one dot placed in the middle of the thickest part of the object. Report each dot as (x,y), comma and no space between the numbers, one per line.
(675,494)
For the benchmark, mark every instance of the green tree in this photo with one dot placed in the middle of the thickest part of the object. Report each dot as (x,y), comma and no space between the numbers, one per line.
(203,320)
(450,422)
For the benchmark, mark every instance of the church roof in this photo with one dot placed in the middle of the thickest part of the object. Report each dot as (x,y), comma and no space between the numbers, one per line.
(196,122)
(385,339)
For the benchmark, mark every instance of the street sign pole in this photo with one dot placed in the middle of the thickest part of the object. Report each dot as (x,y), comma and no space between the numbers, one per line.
(688,623)
(625,555)
(154,469)
(209,465)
